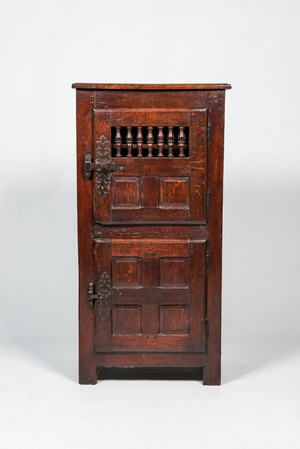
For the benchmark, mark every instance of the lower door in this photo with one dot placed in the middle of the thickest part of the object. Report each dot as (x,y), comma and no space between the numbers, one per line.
(151,295)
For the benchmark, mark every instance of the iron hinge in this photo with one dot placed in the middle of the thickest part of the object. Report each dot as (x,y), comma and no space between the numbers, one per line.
(103,166)
(103,295)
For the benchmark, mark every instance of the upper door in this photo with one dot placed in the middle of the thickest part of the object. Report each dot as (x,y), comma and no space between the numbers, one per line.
(150,165)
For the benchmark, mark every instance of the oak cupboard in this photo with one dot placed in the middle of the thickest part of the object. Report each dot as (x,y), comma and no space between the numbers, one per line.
(150,182)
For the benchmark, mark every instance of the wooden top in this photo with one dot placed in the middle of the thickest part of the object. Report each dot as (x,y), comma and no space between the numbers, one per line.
(151,86)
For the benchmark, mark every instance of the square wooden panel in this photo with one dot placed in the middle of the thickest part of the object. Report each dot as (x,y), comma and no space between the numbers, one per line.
(173,319)
(174,192)
(173,272)
(127,319)
(125,192)
(126,272)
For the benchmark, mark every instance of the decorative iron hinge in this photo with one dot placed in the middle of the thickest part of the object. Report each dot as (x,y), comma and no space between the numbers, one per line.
(103,166)
(103,295)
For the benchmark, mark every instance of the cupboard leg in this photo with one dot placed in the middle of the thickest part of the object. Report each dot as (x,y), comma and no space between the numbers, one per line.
(212,374)
(88,375)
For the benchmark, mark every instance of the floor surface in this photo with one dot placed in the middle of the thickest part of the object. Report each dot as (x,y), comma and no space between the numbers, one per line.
(257,405)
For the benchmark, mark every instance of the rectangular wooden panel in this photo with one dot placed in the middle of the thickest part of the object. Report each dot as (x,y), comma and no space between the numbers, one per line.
(150,117)
(173,319)
(112,99)
(150,295)
(144,215)
(125,192)
(174,272)
(174,192)
(126,319)
(126,272)
(152,166)
(148,248)
(163,232)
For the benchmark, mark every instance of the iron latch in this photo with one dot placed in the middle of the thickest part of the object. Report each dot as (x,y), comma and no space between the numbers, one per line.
(103,166)
(103,295)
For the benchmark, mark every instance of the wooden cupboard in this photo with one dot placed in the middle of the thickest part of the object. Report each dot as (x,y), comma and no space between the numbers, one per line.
(150,183)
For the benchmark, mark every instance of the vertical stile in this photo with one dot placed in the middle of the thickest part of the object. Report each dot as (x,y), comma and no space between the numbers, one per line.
(129,141)
(150,139)
(139,140)
(181,141)
(170,141)
(160,141)
(118,141)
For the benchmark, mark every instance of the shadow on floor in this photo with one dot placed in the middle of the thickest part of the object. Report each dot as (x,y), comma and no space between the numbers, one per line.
(241,357)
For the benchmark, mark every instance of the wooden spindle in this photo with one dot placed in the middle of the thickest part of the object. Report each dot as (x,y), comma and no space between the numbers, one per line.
(181,141)
(139,141)
(129,141)
(160,141)
(150,139)
(170,141)
(118,141)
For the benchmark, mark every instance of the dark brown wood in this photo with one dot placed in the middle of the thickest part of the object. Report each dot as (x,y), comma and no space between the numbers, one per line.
(150,228)
(181,141)
(87,365)
(129,141)
(160,141)
(137,99)
(139,140)
(118,140)
(151,86)
(170,141)
(150,117)
(150,140)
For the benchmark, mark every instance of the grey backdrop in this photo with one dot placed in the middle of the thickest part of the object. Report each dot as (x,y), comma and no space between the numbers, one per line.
(46,46)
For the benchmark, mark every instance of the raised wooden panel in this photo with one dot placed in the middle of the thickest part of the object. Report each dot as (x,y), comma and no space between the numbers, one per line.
(174,192)
(173,319)
(174,273)
(126,192)
(126,272)
(151,295)
(126,319)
